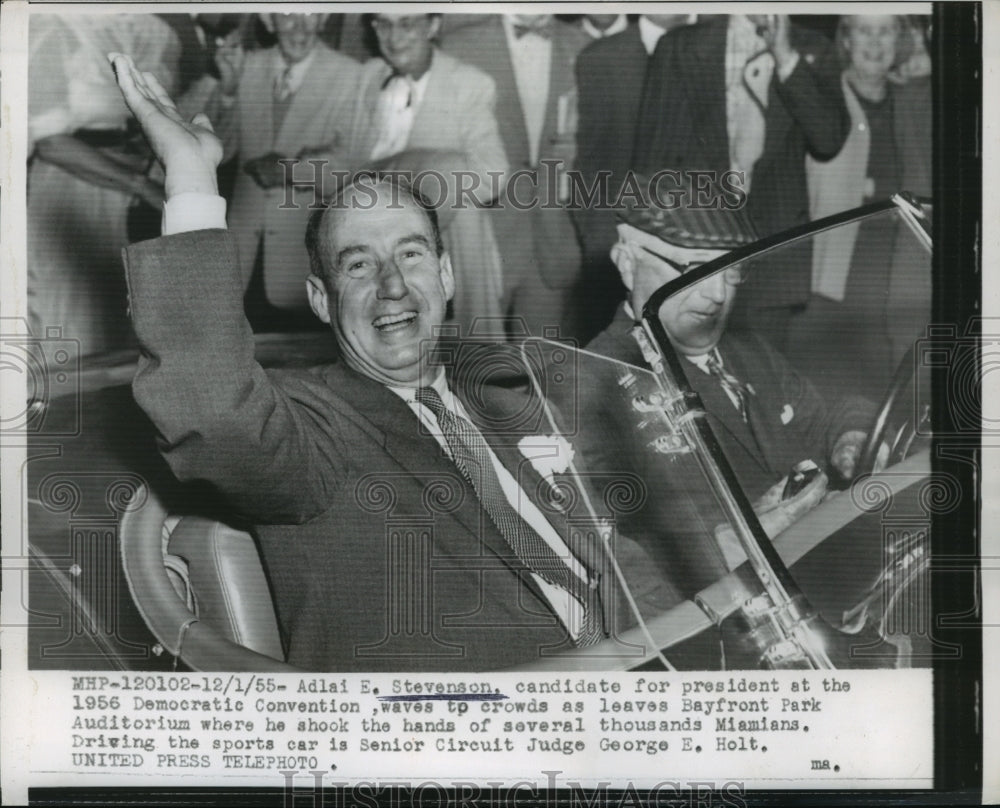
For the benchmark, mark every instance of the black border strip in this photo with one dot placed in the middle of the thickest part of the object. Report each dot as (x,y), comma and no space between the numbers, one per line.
(958,167)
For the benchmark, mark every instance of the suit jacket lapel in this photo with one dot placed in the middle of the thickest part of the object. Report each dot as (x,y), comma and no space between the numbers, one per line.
(259,87)
(435,103)
(722,413)
(303,103)
(365,125)
(512,118)
(388,418)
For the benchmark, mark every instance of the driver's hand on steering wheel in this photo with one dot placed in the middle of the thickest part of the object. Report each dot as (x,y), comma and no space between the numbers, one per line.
(775,515)
(847,450)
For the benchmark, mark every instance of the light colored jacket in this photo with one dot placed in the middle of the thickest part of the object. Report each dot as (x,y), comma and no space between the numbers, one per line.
(457,114)
(839,184)
(316,117)
(834,186)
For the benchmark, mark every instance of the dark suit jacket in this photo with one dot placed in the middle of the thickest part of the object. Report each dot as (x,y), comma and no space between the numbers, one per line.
(682,126)
(552,250)
(378,552)
(610,74)
(790,421)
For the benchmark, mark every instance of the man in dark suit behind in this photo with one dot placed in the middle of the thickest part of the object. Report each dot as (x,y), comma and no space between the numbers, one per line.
(753,94)
(610,74)
(402,525)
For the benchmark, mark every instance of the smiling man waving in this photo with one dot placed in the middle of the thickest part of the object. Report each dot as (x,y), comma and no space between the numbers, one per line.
(400,525)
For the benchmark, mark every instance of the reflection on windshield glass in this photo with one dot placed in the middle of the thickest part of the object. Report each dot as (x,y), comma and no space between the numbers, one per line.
(868,287)
(654,425)
(633,463)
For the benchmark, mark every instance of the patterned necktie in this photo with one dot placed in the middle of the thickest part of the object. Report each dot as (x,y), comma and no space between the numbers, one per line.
(283,86)
(740,391)
(470,454)
(393,117)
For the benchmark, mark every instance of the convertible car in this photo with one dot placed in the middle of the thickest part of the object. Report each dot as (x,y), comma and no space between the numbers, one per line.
(130,570)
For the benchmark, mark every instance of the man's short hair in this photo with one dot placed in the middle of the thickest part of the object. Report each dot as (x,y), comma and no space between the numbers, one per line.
(317,235)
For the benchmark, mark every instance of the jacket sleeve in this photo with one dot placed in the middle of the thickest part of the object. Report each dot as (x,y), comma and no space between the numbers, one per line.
(274,451)
(591,124)
(813,97)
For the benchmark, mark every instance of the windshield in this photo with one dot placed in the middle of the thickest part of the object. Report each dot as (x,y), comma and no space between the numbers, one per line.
(699,441)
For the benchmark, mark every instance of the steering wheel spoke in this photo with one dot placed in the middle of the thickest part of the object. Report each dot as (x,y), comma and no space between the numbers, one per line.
(879,430)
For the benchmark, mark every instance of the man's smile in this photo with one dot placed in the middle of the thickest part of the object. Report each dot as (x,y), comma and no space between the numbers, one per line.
(394,322)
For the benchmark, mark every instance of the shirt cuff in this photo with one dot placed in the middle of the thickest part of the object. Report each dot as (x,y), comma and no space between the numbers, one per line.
(789,67)
(193,211)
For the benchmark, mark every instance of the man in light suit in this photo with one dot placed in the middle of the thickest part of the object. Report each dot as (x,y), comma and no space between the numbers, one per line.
(419,109)
(753,94)
(401,526)
(531,59)
(288,101)
(766,417)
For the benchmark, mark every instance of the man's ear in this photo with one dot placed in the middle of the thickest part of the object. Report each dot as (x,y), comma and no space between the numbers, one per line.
(322,21)
(447,276)
(622,258)
(319,300)
(268,21)
(435,27)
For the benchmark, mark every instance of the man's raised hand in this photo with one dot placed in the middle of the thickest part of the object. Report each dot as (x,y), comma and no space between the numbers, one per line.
(189,151)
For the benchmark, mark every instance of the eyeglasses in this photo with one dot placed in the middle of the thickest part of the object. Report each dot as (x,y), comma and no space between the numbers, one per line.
(405,25)
(734,275)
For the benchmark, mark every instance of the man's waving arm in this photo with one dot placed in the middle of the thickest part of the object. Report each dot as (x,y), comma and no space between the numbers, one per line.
(218,414)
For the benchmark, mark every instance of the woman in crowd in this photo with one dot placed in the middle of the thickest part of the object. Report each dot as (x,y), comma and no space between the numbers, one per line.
(887,150)
(85,170)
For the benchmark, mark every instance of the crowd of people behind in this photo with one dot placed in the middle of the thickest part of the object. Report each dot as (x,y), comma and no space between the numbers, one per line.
(818,115)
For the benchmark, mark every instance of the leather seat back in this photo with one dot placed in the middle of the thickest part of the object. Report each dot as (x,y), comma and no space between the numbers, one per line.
(225,577)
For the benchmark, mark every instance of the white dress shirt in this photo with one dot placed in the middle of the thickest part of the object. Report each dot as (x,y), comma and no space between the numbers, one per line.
(650,33)
(531,58)
(396,110)
(619,25)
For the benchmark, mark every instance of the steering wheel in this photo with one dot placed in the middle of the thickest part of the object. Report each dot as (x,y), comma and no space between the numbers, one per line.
(880,424)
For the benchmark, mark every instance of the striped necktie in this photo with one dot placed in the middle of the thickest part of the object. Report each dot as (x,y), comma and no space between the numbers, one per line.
(738,390)
(471,455)
(283,85)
